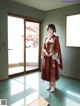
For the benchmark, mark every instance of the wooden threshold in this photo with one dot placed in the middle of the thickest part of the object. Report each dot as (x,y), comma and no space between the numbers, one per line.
(39,102)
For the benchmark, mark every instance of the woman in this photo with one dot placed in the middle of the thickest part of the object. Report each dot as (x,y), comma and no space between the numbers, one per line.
(52,58)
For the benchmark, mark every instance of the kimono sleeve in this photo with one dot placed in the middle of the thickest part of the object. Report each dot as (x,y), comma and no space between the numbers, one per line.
(43,48)
(57,53)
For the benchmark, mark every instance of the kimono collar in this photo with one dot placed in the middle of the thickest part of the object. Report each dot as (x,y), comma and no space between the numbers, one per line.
(51,36)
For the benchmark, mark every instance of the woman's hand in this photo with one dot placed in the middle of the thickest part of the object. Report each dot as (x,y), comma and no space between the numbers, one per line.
(50,54)
(46,54)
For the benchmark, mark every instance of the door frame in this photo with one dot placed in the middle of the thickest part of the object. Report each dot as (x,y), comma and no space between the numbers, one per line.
(39,55)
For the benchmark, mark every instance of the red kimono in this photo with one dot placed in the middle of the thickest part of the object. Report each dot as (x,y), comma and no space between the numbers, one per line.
(50,64)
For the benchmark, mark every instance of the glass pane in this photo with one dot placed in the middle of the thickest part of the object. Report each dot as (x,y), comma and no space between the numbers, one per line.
(32,45)
(72,29)
(15,44)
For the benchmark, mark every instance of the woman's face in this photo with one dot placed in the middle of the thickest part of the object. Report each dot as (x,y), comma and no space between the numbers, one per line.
(50,31)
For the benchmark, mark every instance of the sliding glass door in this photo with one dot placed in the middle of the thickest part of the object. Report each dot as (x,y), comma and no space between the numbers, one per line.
(15,44)
(32,45)
(23,45)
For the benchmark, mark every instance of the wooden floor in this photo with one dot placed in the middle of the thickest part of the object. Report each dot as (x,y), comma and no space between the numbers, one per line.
(39,102)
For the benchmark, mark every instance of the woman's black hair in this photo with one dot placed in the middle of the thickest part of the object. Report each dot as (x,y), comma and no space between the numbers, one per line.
(51,26)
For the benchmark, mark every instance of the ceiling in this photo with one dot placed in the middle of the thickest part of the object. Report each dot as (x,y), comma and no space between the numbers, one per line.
(46,5)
